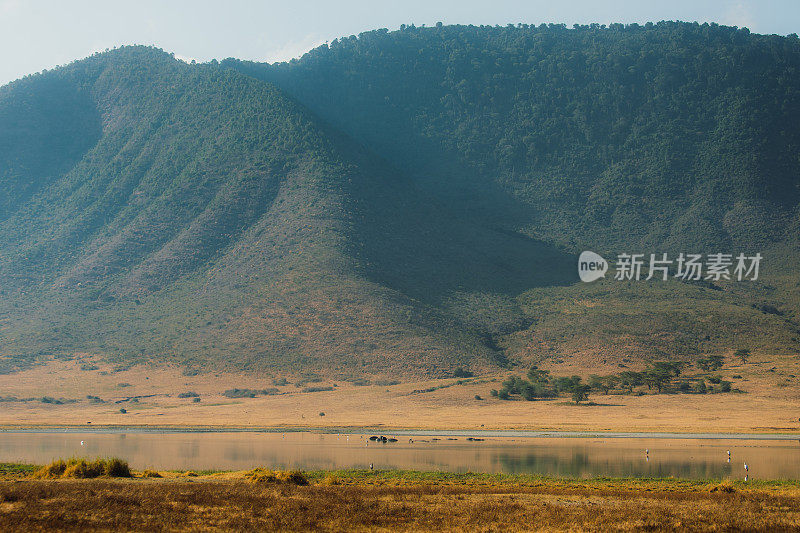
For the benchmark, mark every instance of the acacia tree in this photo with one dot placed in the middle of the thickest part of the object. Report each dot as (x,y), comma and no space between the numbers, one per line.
(629,380)
(580,393)
(657,377)
(743,354)
(603,383)
(715,361)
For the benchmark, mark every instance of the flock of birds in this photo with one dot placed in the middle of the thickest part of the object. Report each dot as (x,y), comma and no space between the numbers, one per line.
(746,467)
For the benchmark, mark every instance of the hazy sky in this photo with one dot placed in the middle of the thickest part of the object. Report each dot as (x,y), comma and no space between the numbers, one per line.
(39,34)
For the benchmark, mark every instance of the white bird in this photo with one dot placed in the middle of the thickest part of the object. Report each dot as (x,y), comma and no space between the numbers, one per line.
(81,443)
(745,467)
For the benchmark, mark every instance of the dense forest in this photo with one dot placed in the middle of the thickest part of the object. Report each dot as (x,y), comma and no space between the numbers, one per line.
(409,202)
(575,127)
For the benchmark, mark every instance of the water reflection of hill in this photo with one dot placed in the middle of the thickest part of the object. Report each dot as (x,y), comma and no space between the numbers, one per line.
(566,457)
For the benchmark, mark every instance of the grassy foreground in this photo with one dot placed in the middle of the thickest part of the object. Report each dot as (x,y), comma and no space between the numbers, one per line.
(395,500)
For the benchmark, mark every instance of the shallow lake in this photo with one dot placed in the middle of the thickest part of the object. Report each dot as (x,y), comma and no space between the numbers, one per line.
(554,456)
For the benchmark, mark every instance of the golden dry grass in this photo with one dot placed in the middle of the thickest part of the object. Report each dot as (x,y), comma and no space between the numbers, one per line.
(79,468)
(263,475)
(769,405)
(227,502)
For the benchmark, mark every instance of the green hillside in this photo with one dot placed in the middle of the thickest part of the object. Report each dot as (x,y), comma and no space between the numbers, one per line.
(215,223)
(402,202)
(661,135)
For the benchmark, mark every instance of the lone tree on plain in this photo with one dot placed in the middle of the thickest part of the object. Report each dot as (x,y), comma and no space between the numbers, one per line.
(580,393)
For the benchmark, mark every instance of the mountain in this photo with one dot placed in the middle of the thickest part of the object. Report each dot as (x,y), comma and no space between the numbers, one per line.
(574,128)
(402,203)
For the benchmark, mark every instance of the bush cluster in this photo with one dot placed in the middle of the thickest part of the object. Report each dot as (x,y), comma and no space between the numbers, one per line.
(84,468)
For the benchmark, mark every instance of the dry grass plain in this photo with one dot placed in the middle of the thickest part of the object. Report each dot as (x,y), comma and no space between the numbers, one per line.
(394,501)
(770,402)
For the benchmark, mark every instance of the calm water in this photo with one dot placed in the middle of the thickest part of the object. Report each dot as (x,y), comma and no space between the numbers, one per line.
(572,457)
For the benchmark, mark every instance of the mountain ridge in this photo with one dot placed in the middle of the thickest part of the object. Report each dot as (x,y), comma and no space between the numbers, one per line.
(350,212)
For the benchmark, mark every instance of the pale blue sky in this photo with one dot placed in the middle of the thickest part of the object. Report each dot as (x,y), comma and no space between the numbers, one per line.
(39,34)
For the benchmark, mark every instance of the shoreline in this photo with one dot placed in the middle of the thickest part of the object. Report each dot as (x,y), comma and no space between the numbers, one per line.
(666,435)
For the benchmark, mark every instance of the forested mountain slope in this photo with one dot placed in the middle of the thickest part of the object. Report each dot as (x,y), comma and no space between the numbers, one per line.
(213,219)
(659,135)
(402,202)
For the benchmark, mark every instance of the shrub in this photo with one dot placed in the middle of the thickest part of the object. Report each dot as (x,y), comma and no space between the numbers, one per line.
(280,382)
(743,354)
(84,469)
(239,393)
(262,475)
(248,393)
(53,470)
(317,389)
(196,400)
(716,361)
(504,395)
(115,467)
(123,411)
(478,397)
(48,399)
(528,392)
(295,477)
(725,486)
(308,379)
(461,373)
(189,394)
(513,385)
(386,382)
(151,473)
